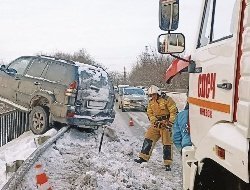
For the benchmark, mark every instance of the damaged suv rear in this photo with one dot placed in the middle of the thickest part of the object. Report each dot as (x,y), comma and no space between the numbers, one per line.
(58,90)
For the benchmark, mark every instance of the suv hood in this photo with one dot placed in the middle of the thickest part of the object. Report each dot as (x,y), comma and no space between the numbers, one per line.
(95,96)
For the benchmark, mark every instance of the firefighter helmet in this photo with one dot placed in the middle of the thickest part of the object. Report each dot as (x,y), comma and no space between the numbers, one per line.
(154,90)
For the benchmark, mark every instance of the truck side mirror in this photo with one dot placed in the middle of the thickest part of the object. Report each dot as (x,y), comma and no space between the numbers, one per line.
(171,43)
(168,14)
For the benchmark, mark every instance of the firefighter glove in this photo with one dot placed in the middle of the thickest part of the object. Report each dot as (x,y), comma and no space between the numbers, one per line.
(160,124)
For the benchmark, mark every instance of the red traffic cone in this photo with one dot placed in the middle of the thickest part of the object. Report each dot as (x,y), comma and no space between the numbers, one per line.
(131,122)
(41,178)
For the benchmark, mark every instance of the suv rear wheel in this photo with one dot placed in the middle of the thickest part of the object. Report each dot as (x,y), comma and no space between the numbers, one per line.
(39,120)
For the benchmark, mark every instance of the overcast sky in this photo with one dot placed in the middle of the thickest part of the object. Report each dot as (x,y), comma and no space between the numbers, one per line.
(113,32)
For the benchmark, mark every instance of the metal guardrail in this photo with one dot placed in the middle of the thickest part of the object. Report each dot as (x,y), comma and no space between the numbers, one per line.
(17,177)
(12,125)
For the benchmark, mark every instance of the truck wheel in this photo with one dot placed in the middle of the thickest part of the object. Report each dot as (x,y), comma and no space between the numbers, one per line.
(234,183)
(208,178)
(39,120)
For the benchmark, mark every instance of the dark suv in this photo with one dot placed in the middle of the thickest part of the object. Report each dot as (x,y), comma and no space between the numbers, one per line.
(57,90)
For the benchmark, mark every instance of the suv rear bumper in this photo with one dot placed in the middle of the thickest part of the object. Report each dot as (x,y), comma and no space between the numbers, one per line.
(88,121)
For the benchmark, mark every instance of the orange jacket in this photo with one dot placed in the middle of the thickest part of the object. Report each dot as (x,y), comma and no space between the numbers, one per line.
(162,107)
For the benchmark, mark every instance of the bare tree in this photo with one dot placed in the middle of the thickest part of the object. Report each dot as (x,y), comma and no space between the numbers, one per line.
(80,56)
(116,77)
(150,68)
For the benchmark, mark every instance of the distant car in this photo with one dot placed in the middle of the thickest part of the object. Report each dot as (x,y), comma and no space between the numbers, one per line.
(58,90)
(145,91)
(119,91)
(133,98)
(116,94)
(142,87)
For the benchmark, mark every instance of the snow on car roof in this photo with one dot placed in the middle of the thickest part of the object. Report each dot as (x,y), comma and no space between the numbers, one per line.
(92,69)
(94,81)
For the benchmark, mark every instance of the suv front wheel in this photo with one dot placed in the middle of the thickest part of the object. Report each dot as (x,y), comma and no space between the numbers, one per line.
(39,120)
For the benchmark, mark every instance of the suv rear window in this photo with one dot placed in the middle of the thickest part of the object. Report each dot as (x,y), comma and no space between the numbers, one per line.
(60,72)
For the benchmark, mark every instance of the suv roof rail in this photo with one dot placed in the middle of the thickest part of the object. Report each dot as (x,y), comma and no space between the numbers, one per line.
(47,56)
(58,59)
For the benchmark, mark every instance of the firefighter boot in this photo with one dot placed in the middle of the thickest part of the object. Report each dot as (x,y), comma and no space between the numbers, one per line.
(167,168)
(140,160)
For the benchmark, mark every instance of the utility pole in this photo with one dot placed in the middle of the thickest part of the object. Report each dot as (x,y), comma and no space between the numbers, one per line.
(124,76)
(146,53)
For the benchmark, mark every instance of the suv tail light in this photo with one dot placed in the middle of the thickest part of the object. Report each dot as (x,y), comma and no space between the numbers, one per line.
(73,85)
(71,93)
(70,114)
(71,90)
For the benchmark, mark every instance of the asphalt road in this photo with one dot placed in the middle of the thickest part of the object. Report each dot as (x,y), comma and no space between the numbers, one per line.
(140,121)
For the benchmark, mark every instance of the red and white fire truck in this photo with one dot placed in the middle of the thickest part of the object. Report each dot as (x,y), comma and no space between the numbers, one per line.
(219,92)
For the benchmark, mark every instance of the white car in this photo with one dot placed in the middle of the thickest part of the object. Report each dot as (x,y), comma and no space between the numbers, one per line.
(133,98)
(119,91)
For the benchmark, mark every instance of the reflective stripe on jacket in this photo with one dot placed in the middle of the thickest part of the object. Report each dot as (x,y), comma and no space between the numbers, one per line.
(162,107)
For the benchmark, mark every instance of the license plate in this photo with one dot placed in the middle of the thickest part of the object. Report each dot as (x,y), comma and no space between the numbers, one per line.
(96,104)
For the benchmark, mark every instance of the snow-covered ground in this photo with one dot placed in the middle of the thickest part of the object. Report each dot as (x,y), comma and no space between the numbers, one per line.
(179,98)
(4,108)
(18,149)
(75,163)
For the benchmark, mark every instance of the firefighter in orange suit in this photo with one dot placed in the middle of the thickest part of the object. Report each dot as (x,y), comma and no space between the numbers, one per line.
(161,113)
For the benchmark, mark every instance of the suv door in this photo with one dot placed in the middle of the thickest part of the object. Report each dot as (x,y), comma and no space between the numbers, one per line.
(12,76)
(31,82)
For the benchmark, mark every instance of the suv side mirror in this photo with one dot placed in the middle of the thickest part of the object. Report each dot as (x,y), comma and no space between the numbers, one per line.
(11,71)
(2,68)
(168,14)
(171,43)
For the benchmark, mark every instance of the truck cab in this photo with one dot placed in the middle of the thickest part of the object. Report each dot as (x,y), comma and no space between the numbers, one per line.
(219,94)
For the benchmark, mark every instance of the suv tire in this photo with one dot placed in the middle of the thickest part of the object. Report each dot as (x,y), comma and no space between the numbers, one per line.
(39,120)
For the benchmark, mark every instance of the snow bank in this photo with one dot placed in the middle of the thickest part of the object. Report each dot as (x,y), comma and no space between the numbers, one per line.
(18,149)
(75,163)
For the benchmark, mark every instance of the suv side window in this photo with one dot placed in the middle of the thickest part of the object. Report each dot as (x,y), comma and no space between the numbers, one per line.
(216,22)
(37,67)
(60,72)
(20,64)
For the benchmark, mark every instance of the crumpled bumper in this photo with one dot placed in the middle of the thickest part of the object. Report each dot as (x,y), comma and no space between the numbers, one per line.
(90,121)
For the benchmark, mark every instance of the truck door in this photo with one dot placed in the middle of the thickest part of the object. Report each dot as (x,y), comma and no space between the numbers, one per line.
(212,90)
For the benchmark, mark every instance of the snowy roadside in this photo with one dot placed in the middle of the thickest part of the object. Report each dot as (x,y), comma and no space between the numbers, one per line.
(74,163)
(179,98)
(5,108)
(18,149)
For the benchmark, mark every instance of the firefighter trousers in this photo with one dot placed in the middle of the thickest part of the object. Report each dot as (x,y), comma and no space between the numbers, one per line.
(151,137)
